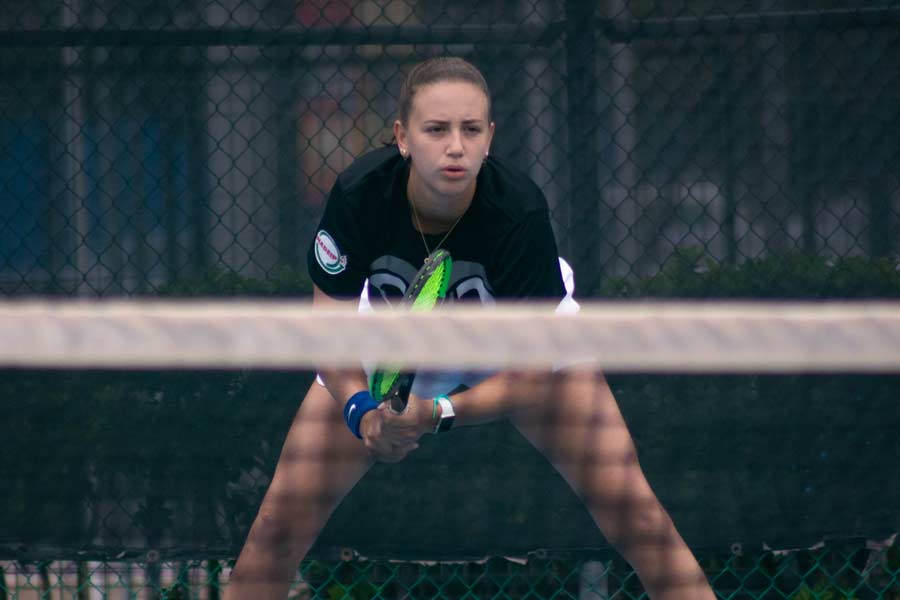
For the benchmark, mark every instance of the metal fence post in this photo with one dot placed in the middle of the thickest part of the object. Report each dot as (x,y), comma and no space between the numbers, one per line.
(581,60)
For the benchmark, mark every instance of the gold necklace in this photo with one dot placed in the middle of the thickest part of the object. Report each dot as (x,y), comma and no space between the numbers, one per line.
(425,243)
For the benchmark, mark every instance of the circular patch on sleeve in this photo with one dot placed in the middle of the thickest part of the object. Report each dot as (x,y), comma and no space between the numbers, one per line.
(328,255)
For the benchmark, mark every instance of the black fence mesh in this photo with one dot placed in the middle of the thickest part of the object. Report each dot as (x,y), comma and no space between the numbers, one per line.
(147,142)
(145,146)
(832,573)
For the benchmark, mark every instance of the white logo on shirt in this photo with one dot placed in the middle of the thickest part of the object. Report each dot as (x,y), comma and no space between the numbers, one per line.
(328,255)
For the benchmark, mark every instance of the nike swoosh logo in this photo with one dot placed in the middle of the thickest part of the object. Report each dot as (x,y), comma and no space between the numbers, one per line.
(350,412)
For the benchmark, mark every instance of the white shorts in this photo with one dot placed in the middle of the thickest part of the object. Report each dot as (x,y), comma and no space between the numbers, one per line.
(432,383)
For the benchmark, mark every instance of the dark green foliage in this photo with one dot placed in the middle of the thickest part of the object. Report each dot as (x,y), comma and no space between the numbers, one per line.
(284,282)
(148,456)
(688,274)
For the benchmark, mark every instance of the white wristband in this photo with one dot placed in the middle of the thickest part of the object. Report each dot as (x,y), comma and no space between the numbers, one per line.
(445,422)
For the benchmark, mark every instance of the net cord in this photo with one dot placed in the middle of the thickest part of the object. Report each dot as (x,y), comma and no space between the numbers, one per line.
(681,337)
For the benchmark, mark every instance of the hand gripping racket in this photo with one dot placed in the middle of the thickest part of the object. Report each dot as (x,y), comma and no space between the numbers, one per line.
(427,289)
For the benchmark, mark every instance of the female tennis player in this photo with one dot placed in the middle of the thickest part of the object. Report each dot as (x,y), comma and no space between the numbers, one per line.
(437,187)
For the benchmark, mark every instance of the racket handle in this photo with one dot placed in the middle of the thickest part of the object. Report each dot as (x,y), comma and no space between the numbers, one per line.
(399,401)
(398,405)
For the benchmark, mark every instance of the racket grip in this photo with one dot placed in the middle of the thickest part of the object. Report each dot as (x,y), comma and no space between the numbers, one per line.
(398,405)
(399,401)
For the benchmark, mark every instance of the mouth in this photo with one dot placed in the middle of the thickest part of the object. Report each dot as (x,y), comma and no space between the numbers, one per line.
(454,172)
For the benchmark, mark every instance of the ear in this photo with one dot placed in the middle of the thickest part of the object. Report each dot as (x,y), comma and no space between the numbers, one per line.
(491,129)
(400,134)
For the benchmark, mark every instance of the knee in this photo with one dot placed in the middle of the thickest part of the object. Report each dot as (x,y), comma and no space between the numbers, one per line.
(644,525)
(273,534)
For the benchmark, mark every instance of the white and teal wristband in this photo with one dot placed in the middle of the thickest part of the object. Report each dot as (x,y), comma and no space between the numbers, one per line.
(447,413)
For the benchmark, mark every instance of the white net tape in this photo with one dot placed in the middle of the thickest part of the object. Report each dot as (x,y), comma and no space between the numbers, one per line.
(634,337)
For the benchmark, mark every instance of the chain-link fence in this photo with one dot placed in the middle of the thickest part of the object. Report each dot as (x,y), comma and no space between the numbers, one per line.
(824,573)
(146,145)
(147,142)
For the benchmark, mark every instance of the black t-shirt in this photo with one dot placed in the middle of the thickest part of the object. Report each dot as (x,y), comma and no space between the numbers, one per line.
(502,248)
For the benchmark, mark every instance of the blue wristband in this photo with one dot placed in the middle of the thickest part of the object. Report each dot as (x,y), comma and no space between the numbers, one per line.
(359,404)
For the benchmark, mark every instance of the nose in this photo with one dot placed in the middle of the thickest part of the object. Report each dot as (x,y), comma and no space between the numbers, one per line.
(454,144)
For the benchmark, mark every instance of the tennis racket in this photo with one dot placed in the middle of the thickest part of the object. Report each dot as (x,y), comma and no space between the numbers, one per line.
(427,289)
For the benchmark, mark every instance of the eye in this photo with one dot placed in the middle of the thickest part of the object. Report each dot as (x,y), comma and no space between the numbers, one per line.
(434,129)
(473,129)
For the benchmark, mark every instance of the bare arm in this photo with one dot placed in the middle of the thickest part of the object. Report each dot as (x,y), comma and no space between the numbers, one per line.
(344,383)
(500,396)
(497,397)
(389,437)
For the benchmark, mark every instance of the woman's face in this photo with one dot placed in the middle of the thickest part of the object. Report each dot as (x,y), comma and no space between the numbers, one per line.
(447,138)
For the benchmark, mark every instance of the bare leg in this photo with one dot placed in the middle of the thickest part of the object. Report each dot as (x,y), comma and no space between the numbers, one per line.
(580,429)
(320,463)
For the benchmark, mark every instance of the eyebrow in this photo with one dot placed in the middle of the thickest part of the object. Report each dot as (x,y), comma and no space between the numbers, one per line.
(445,121)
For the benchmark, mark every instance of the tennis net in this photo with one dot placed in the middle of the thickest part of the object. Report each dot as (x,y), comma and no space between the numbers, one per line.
(617,337)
